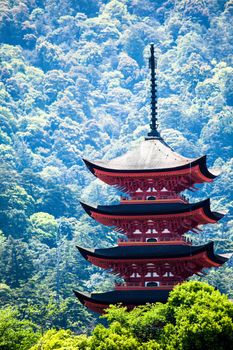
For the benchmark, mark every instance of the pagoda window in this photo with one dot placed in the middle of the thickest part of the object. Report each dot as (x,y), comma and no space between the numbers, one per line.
(137,231)
(168,274)
(151,230)
(135,274)
(152,284)
(151,198)
(154,274)
(138,190)
(164,190)
(149,274)
(165,231)
(152,240)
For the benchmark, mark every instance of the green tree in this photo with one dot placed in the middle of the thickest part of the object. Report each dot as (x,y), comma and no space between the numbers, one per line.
(198,317)
(15,206)
(43,227)
(14,333)
(61,340)
(195,317)
(115,337)
(16,264)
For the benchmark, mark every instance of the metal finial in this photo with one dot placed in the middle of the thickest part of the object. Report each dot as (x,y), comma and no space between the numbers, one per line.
(153,134)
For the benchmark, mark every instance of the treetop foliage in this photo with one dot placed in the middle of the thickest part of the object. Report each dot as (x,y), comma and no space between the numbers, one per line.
(196,316)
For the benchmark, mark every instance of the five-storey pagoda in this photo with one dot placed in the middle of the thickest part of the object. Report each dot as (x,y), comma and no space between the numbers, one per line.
(154,217)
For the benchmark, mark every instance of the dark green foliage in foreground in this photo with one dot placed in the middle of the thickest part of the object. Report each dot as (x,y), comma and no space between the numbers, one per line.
(16,334)
(196,317)
(62,340)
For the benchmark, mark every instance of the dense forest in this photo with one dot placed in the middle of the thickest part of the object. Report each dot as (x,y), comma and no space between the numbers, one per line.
(75,83)
(195,317)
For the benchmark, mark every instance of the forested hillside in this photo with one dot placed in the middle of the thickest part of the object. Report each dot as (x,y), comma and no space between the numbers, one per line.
(75,83)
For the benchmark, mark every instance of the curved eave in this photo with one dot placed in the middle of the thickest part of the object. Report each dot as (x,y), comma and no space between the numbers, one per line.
(88,209)
(172,252)
(82,297)
(122,297)
(85,252)
(213,215)
(200,161)
(216,258)
(135,210)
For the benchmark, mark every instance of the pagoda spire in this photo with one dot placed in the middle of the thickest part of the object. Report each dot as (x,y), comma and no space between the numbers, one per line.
(153,134)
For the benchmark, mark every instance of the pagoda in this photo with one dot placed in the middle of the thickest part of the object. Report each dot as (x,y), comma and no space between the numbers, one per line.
(154,217)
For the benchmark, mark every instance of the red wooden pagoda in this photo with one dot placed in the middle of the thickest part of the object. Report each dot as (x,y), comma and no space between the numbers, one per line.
(154,217)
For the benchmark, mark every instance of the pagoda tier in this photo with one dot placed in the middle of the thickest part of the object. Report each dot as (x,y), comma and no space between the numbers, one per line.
(98,302)
(152,169)
(159,265)
(161,221)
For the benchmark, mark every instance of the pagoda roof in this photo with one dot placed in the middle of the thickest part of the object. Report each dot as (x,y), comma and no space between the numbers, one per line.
(131,297)
(152,155)
(152,209)
(153,252)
